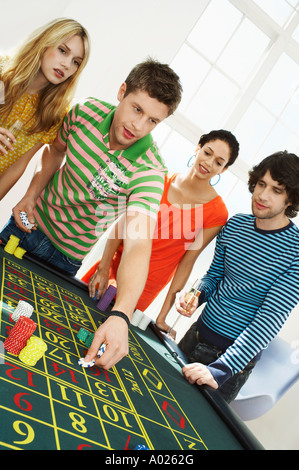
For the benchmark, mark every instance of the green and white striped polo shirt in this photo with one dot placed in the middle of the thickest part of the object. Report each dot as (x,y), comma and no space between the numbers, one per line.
(96,185)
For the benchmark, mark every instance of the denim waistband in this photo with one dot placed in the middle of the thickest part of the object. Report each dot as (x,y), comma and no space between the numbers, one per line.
(216,340)
(212,337)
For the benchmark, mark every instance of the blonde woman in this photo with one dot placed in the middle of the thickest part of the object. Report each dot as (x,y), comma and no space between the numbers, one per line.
(39,82)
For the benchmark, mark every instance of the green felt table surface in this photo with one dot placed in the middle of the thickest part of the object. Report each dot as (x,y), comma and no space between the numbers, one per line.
(57,404)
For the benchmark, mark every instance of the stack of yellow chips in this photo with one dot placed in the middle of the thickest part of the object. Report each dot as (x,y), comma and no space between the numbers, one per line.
(12,244)
(33,351)
(19,252)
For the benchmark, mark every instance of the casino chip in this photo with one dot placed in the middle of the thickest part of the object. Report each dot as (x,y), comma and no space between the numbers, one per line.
(25,221)
(141,447)
(82,363)
(107,298)
(19,252)
(101,350)
(33,351)
(83,334)
(89,340)
(23,309)
(19,335)
(12,244)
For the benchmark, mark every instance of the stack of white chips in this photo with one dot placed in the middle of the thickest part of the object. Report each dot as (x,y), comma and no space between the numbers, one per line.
(85,364)
(23,309)
(25,221)
(140,320)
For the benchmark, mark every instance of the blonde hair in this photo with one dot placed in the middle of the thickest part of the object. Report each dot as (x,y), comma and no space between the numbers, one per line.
(24,66)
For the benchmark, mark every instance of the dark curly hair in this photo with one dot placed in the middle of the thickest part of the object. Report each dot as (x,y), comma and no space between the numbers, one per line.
(225,136)
(284,168)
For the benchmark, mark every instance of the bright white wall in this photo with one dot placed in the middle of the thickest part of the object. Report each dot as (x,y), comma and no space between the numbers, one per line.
(122,35)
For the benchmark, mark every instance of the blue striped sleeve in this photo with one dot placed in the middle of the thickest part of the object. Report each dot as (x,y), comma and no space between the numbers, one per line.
(251,289)
(216,271)
(281,299)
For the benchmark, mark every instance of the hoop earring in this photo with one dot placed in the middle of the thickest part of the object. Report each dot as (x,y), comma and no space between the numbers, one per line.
(219,177)
(190,161)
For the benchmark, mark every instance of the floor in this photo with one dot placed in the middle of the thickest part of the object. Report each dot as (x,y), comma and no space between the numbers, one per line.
(279,429)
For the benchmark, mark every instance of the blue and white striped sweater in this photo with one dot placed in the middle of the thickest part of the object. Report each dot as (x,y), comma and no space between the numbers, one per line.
(257,275)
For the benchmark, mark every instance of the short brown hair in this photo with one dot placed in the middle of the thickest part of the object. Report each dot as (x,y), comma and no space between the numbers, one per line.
(158,80)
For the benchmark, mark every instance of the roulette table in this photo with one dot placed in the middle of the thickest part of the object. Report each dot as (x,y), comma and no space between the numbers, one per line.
(143,400)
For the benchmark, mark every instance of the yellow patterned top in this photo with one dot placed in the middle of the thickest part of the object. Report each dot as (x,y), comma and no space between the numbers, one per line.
(24,110)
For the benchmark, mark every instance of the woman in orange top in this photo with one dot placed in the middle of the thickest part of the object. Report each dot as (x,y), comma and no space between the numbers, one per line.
(38,84)
(191,214)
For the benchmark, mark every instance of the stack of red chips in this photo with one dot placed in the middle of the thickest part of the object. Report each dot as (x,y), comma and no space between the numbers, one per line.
(19,335)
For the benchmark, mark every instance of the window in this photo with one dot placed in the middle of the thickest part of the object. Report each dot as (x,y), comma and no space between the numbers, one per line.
(239,68)
(243,52)
(279,10)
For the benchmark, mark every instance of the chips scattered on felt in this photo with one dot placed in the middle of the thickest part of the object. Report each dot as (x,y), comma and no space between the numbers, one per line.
(33,351)
(87,337)
(20,341)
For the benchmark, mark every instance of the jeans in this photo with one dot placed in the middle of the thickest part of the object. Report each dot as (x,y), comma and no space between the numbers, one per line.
(197,349)
(40,245)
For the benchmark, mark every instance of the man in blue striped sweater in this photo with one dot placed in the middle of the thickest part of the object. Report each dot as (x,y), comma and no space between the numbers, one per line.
(252,284)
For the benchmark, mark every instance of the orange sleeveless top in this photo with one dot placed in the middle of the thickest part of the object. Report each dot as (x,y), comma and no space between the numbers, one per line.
(175,231)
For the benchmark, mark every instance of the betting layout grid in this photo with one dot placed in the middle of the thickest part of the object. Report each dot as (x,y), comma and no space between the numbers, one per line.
(58,405)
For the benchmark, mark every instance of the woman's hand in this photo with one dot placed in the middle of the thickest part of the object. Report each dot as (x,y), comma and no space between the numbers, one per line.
(181,304)
(6,141)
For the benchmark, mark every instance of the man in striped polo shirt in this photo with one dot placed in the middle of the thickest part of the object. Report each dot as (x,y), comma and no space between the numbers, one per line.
(102,164)
(252,284)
